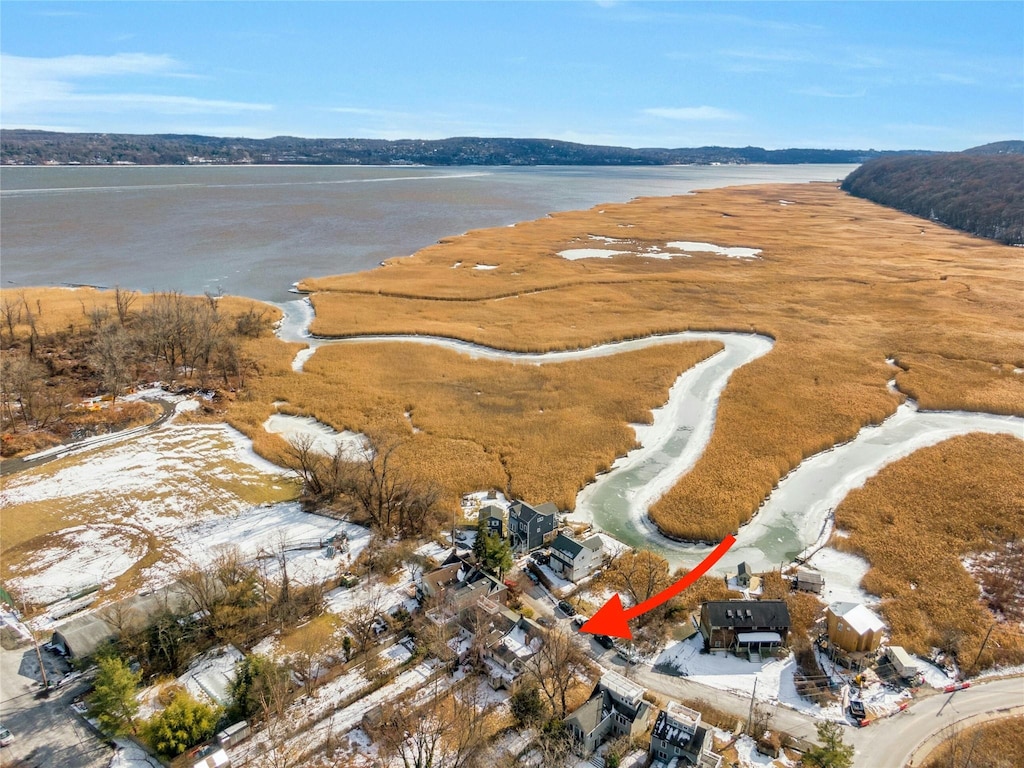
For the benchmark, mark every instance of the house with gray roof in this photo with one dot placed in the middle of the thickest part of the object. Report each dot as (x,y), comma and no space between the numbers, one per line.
(493,517)
(679,739)
(745,627)
(457,585)
(615,708)
(529,527)
(573,559)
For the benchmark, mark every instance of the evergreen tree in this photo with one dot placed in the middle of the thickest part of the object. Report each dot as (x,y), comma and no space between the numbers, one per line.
(832,753)
(183,724)
(526,705)
(491,551)
(113,701)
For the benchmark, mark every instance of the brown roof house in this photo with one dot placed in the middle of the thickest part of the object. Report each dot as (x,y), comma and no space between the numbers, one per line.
(615,708)
(745,627)
(678,740)
(853,627)
(512,641)
(458,585)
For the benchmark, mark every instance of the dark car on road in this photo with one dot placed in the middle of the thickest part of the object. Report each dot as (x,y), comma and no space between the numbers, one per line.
(604,641)
(565,608)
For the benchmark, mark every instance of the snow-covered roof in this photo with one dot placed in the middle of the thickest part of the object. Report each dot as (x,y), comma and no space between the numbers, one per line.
(860,618)
(898,653)
(759,637)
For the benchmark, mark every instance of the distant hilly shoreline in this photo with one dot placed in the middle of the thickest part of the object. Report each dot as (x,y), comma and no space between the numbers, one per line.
(29,147)
(980,191)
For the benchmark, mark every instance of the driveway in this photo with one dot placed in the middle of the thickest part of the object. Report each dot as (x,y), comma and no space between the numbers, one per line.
(46,732)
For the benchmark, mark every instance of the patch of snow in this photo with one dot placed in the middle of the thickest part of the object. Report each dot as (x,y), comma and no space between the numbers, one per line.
(128,754)
(486,266)
(78,558)
(573,254)
(326,440)
(843,573)
(456,265)
(732,253)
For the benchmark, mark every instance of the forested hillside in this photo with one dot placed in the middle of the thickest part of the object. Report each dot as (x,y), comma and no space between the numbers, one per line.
(25,147)
(976,192)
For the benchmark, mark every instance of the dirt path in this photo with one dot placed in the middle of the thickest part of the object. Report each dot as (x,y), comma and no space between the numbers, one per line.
(11,466)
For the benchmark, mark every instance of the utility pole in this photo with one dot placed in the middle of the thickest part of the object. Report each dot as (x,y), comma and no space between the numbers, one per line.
(750,713)
(42,667)
(977,658)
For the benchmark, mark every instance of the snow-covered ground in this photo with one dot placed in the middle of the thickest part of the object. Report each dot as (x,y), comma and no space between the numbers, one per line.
(843,573)
(676,248)
(774,677)
(322,438)
(184,489)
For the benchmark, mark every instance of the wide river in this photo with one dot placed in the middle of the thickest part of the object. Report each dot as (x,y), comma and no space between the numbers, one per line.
(255,230)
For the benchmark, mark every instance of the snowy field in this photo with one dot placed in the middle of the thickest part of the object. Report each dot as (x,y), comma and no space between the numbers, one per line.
(176,496)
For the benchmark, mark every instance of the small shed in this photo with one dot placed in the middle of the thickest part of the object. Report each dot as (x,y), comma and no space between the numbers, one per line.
(810,581)
(901,661)
(234,734)
(743,575)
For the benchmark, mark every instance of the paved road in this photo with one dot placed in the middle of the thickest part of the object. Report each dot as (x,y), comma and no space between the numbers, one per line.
(889,743)
(47,734)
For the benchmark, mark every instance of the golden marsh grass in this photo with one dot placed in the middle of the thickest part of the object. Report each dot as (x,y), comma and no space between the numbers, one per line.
(917,518)
(841,284)
(537,431)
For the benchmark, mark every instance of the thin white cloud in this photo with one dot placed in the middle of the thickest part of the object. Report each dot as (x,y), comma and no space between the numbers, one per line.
(693,113)
(947,77)
(830,93)
(79,67)
(67,88)
(771,56)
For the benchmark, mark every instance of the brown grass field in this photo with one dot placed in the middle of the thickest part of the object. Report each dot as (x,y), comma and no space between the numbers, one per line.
(842,285)
(998,744)
(916,519)
(536,431)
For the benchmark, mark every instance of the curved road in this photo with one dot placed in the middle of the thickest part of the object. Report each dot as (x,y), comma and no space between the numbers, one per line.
(890,743)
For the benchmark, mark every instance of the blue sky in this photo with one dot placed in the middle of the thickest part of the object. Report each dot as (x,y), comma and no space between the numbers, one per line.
(881,75)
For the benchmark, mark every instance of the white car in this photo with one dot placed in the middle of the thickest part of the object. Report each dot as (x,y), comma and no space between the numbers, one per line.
(5,736)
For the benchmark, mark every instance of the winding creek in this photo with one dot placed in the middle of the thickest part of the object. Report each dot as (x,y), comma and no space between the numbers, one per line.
(796,516)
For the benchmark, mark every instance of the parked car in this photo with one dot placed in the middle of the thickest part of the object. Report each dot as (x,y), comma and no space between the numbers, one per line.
(5,736)
(565,608)
(604,641)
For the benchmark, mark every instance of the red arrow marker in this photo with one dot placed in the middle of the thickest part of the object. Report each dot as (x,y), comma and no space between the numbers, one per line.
(612,620)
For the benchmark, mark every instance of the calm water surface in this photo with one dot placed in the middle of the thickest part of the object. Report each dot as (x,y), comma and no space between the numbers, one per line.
(254,231)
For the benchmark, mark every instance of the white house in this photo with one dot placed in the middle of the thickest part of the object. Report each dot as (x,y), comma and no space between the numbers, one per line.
(573,559)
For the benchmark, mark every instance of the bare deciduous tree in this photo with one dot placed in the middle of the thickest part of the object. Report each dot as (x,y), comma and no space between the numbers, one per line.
(557,666)
(449,730)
